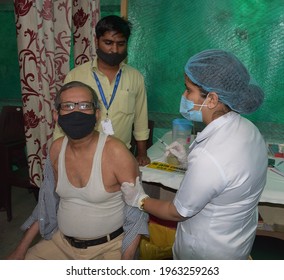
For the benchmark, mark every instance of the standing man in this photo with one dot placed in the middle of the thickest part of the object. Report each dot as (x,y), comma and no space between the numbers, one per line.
(120,87)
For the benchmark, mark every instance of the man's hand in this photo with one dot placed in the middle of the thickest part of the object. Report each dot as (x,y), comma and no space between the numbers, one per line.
(133,194)
(17,254)
(130,252)
(142,157)
(20,252)
(143,160)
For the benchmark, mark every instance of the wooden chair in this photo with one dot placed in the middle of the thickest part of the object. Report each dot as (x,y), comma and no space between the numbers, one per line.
(133,148)
(13,163)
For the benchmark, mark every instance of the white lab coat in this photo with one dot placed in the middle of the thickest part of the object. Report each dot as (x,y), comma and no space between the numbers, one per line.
(227,167)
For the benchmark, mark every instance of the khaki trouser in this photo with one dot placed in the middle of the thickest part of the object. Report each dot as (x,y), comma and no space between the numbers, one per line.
(58,248)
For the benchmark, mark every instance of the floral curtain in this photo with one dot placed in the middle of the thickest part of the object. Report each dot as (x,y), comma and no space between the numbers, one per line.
(85,17)
(44,33)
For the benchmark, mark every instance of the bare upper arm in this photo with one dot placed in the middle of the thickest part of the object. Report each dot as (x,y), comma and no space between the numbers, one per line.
(54,154)
(121,161)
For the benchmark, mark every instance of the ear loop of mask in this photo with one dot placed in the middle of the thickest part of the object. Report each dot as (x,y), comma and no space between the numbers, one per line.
(202,105)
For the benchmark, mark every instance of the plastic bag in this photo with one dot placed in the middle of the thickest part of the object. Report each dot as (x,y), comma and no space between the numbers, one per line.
(159,245)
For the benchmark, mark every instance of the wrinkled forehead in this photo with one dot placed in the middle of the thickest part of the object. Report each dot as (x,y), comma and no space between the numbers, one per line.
(76,94)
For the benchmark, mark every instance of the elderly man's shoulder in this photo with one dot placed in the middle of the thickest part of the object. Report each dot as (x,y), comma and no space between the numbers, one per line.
(115,143)
(55,149)
(115,147)
(118,155)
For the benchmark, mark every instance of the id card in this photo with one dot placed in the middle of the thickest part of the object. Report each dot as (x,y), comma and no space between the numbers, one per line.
(107,127)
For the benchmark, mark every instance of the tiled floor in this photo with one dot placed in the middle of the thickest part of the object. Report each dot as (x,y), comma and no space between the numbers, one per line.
(23,202)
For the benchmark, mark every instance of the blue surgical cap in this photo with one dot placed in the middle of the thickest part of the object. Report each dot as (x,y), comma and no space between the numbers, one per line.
(221,72)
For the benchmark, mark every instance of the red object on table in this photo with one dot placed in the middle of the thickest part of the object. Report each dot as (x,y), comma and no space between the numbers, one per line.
(279,155)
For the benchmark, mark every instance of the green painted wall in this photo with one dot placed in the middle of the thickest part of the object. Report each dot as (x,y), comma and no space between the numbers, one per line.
(10,89)
(166,33)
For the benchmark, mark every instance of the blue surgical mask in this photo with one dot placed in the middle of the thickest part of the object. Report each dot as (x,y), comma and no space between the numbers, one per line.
(186,111)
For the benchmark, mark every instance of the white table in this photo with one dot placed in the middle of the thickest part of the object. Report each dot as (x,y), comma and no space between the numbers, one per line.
(272,193)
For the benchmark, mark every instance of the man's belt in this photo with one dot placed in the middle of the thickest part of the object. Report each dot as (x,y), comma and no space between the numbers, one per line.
(83,244)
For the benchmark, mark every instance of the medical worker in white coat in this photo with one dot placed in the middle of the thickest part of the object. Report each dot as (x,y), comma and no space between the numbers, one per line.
(216,204)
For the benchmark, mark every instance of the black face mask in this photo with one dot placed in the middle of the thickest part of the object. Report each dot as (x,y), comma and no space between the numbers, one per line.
(77,125)
(111,59)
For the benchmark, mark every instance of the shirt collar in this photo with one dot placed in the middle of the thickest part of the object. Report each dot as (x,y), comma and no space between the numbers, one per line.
(214,125)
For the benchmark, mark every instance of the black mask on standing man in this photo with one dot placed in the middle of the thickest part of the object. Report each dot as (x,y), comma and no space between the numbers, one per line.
(111,59)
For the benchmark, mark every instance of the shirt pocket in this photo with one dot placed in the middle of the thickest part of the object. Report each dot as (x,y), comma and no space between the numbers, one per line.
(126,102)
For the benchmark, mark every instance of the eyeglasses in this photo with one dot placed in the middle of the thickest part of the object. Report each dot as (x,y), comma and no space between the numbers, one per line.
(82,106)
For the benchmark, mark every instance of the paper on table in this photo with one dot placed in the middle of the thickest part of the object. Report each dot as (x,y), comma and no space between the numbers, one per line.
(278,168)
(165,166)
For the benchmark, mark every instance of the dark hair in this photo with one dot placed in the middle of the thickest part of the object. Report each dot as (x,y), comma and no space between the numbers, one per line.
(113,23)
(203,92)
(74,84)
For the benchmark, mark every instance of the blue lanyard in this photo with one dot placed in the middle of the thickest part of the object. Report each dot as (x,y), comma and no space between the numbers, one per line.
(113,92)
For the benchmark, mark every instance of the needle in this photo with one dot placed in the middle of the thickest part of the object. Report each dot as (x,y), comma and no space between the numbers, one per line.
(163,142)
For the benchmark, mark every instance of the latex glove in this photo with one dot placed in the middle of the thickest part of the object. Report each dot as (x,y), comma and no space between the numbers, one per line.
(178,151)
(133,194)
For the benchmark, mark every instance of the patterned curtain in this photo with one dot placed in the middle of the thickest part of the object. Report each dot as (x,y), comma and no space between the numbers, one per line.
(86,14)
(44,33)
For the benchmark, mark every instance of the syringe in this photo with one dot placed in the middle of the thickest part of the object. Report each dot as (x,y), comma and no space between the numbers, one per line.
(162,141)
